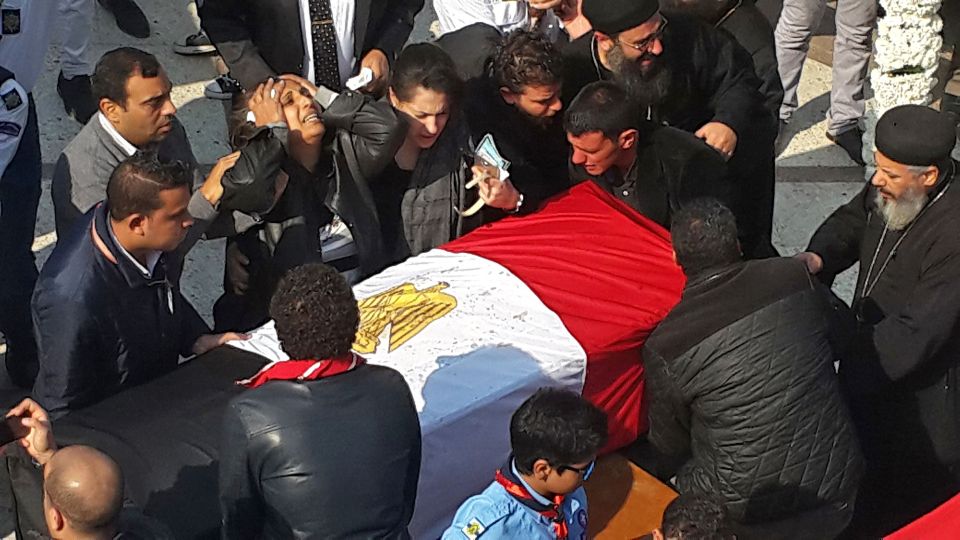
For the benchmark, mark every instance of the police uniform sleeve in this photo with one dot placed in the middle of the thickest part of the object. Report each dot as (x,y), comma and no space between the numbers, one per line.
(479,517)
(13,120)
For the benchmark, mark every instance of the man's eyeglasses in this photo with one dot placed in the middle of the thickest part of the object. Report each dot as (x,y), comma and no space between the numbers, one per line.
(646,42)
(584,472)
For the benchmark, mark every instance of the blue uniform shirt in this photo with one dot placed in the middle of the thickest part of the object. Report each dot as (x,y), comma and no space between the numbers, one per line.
(495,514)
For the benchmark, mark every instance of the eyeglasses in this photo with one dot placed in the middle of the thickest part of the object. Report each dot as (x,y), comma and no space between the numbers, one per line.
(584,472)
(646,42)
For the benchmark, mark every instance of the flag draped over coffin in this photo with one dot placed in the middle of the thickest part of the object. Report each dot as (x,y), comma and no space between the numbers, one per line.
(569,293)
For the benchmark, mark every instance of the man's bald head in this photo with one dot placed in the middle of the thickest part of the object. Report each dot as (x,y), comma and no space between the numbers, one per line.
(85,486)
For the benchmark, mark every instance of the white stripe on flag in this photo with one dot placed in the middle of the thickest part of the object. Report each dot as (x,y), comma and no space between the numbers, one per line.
(473,342)
(497,322)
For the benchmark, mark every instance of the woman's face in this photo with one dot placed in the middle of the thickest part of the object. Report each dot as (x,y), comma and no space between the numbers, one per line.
(301,112)
(427,113)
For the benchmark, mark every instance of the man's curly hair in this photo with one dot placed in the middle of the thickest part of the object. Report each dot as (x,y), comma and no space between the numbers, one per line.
(526,58)
(315,312)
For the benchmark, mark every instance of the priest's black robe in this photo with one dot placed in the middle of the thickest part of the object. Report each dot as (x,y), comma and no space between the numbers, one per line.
(712,80)
(901,370)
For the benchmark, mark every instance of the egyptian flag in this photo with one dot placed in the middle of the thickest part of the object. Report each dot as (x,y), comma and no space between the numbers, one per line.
(605,271)
(942,523)
(563,297)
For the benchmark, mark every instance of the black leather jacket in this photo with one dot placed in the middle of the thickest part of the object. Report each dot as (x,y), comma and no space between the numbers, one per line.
(337,457)
(367,135)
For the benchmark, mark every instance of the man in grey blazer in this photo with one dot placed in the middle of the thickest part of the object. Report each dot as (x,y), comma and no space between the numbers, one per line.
(135,113)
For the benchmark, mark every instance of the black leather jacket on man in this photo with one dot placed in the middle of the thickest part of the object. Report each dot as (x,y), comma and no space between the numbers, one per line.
(338,457)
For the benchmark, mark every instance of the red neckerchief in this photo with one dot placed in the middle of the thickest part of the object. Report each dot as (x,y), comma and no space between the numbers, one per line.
(304,370)
(553,512)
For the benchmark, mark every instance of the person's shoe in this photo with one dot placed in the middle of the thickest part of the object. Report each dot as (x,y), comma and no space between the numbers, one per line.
(193,44)
(130,18)
(852,143)
(223,87)
(77,96)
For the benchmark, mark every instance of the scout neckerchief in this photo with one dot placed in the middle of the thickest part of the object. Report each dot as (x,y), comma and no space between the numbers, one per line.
(304,370)
(553,512)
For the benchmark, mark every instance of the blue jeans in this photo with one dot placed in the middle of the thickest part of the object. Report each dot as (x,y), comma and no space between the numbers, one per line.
(19,199)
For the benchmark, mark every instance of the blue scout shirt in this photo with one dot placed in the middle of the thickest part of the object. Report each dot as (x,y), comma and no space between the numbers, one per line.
(495,514)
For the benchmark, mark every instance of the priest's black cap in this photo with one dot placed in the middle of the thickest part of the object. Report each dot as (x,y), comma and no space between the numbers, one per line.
(915,135)
(614,16)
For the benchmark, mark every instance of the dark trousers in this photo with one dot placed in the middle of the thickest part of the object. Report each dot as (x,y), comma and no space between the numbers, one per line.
(904,478)
(19,198)
(753,171)
(248,285)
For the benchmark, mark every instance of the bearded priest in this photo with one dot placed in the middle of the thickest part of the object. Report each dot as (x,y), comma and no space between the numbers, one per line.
(901,372)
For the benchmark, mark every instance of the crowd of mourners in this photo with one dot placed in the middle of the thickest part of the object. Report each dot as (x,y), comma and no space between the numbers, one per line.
(776,409)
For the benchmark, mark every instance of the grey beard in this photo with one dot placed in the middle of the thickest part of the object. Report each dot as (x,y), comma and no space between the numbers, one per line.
(901,212)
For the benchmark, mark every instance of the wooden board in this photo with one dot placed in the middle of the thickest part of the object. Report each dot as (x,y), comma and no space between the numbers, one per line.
(625,501)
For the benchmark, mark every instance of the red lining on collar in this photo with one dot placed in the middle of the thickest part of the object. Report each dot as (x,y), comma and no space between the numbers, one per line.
(97,241)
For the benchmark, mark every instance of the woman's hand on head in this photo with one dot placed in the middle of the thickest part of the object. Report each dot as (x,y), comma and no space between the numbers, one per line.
(265,103)
(311,88)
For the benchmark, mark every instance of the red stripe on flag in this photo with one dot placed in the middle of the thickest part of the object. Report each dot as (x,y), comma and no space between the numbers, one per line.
(941,524)
(607,272)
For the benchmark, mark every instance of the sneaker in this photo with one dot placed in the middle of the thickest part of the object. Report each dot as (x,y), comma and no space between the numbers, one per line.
(223,87)
(77,96)
(129,16)
(197,43)
(851,141)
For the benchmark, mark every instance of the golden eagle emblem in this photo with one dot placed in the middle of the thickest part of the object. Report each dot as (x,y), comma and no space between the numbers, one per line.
(405,309)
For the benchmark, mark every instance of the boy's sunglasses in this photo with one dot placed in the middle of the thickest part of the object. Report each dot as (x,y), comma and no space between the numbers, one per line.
(584,472)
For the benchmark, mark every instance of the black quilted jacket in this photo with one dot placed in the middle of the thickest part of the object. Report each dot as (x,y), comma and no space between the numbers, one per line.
(743,391)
